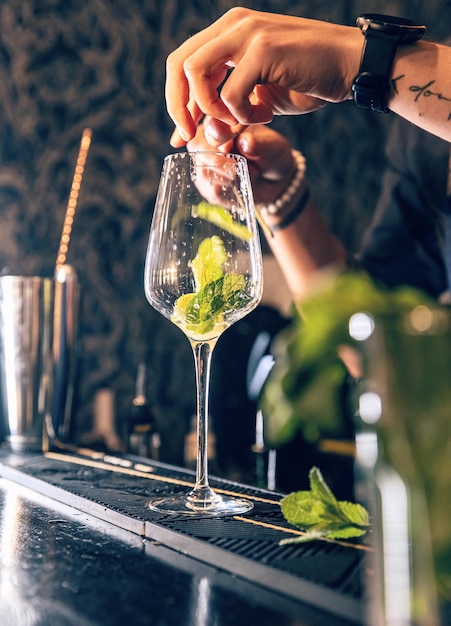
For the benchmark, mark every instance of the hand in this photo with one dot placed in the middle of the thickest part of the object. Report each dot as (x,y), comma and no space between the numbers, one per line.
(281,65)
(307,246)
(270,161)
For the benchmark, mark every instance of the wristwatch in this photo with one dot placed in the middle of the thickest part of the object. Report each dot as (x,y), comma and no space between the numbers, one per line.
(383,34)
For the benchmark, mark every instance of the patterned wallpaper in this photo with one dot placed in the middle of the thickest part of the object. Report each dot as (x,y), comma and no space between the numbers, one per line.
(70,64)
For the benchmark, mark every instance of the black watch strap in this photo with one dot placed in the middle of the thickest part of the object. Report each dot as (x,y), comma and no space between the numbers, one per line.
(372,85)
(383,34)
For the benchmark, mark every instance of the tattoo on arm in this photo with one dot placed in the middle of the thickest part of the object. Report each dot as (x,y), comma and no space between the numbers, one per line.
(423,91)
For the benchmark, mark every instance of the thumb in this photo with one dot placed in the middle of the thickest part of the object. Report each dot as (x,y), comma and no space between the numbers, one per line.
(266,149)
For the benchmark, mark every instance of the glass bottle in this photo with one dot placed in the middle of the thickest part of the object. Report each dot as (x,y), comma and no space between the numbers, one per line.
(403,462)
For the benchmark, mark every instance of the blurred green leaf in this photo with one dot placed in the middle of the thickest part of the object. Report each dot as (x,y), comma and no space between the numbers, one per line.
(304,389)
(221,217)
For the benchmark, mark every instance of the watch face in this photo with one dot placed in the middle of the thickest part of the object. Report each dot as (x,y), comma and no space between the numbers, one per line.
(391,25)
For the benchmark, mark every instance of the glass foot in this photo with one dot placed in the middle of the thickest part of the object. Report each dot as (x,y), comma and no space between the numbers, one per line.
(194,505)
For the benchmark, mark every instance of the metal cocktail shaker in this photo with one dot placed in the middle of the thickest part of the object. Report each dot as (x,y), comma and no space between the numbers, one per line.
(38,354)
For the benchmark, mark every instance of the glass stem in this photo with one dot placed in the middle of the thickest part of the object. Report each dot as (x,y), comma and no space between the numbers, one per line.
(202,494)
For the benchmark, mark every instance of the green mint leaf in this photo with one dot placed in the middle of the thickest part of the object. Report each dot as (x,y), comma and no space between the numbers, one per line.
(233,291)
(331,510)
(355,513)
(215,298)
(215,293)
(203,309)
(208,262)
(320,489)
(345,532)
(205,303)
(298,508)
(219,216)
(320,514)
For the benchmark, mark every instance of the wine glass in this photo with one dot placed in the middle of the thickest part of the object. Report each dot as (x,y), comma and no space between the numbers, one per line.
(203,272)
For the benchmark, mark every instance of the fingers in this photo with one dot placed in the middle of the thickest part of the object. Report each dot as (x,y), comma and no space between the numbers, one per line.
(237,101)
(267,150)
(268,154)
(213,135)
(264,148)
(217,133)
(178,140)
(196,70)
(201,89)
(181,75)
(177,98)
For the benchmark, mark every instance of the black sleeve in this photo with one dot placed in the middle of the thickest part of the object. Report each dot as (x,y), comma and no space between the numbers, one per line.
(404,244)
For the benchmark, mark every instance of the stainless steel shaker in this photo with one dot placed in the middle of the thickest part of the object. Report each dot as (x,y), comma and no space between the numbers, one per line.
(38,353)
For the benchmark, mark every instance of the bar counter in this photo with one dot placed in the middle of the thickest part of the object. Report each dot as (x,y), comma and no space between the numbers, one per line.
(79,547)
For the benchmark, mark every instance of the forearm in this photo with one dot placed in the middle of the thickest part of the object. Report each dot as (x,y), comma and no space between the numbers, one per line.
(422,87)
(304,249)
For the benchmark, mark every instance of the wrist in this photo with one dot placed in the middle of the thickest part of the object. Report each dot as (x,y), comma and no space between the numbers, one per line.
(292,212)
(276,212)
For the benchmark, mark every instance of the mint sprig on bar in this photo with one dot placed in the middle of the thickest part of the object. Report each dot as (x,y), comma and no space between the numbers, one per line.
(321,515)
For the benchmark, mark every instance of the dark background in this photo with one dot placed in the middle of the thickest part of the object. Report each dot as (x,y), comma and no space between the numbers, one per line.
(66,65)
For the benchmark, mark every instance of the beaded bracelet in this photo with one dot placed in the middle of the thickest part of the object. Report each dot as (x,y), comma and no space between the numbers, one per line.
(293,215)
(276,207)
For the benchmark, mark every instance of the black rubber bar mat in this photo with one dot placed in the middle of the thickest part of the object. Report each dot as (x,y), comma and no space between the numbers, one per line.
(326,575)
